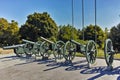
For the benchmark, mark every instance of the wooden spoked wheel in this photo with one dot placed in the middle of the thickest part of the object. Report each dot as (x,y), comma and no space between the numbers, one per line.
(91,52)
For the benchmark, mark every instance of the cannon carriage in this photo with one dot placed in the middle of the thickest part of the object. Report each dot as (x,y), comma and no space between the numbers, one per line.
(41,49)
(109,53)
(89,50)
(32,48)
(55,48)
(28,48)
(18,49)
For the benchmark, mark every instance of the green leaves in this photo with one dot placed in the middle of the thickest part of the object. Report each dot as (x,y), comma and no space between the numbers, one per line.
(38,24)
(115,36)
(41,24)
(8,32)
(91,31)
(67,32)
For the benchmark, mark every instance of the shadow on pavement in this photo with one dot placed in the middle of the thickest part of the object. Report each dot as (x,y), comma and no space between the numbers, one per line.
(118,77)
(40,61)
(102,71)
(8,58)
(13,57)
(27,61)
(71,66)
(77,67)
(57,65)
(32,59)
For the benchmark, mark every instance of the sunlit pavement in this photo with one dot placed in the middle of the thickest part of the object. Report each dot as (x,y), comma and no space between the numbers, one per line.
(15,68)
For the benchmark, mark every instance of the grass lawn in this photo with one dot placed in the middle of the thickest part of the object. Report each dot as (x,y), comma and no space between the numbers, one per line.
(100,54)
(6,51)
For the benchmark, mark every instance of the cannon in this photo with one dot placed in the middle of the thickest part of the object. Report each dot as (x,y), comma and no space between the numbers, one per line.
(89,50)
(32,47)
(48,47)
(18,49)
(28,48)
(109,53)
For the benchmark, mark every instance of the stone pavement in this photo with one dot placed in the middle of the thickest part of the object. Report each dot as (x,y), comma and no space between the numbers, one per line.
(15,68)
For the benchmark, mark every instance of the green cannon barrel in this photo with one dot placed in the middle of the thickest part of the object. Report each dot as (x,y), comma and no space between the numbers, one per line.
(75,42)
(79,47)
(31,42)
(13,46)
(47,40)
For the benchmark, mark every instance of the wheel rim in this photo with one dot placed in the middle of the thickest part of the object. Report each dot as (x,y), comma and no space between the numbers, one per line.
(16,52)
(58,50)
(69,51)
(19,51)
(91,52)
(108,51)
(44,49)
(28,49)
(35,49)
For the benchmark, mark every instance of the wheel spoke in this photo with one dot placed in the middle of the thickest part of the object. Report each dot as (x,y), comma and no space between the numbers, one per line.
(91,52)
(58,50)
(108,52)
(69,51)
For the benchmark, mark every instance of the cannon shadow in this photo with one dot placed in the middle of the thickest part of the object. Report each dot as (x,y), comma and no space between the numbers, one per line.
(70,65)
(33,59)
(77,65)
(102,71)
(8,58)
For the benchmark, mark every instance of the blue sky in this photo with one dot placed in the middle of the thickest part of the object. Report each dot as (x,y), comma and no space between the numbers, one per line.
(108,11)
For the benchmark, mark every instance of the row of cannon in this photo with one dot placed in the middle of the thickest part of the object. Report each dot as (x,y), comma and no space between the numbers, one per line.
(60,50)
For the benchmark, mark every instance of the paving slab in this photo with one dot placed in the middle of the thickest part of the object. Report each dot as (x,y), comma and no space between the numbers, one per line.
(15,68)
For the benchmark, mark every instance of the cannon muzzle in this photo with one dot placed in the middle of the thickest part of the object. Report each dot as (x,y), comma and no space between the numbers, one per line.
(13,46)
(46,40)
(31,42)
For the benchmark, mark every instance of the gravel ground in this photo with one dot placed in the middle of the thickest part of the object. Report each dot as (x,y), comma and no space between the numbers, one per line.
(15,68)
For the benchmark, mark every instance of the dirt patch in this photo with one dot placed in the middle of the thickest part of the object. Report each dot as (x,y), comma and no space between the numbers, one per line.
(6,51)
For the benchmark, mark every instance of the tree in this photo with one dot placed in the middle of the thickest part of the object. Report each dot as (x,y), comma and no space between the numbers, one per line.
(3,26)
(115,36)
(13,30)
(67,32)
(39,24)
(80,34)
(106,33)
(8,32)
(90,34)
(29,32)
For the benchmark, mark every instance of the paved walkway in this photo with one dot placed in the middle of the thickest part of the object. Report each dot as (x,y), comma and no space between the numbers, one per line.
(14,68)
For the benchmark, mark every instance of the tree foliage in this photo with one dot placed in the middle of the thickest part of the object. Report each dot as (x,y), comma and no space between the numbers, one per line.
(106,33)
(80,34)
(115,36)
(8,32)
(90,33)
(67,32)
(41,24)
(38,24)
